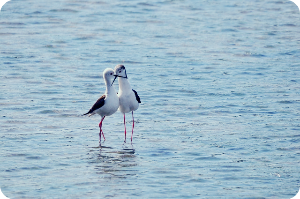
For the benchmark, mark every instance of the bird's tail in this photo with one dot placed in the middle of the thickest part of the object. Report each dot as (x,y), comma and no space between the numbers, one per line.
(89,113)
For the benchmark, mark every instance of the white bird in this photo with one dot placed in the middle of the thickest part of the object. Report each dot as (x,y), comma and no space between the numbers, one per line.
(108,103)
(129,99)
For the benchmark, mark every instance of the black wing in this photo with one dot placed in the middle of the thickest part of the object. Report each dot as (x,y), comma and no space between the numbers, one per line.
(97,105)
(137,96)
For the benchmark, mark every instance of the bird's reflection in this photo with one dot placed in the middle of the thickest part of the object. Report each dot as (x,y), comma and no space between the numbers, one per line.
(113,163)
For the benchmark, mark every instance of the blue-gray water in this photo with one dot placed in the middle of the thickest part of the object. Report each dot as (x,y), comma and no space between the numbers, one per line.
(219,83)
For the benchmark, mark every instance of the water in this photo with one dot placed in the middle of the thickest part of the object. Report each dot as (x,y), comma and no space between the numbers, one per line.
(218,81)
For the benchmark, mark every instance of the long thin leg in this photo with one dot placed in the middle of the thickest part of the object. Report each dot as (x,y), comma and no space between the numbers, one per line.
(132,126)
(100,126)
(125,128)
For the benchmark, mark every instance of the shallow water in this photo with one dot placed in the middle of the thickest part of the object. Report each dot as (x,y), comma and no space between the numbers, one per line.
(218,81)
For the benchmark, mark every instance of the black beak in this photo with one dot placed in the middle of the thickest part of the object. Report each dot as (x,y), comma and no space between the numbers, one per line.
(125,74)
(114,79)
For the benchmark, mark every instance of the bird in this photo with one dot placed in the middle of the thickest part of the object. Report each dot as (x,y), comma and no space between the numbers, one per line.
(128,98)
(108,103)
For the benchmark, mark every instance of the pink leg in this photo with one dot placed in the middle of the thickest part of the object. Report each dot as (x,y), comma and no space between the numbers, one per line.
(100,126)
(132,126)
(125,128)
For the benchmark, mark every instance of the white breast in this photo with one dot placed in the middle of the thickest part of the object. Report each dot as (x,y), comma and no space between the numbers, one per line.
(128,102)
(110,106)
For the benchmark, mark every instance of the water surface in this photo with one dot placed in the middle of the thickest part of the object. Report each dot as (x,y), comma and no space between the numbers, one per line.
(218,81)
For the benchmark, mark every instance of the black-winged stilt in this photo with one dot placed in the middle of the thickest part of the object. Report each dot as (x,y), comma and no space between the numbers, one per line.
(129,99)
(108,103)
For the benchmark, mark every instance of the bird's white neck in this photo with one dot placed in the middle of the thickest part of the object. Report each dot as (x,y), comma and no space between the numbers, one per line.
(124,84)
(109,87)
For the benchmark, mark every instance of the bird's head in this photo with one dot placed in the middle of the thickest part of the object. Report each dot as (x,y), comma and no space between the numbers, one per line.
(108,74)
(120,71)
